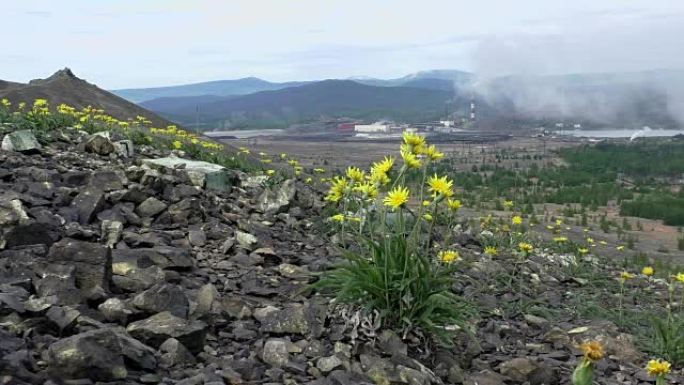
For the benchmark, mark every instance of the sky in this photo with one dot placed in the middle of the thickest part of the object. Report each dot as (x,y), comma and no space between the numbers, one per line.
(145,43)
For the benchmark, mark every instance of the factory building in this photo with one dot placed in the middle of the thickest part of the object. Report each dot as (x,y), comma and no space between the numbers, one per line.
(372,128)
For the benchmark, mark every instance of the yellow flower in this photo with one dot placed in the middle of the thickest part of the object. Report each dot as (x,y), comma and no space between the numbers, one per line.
(413,139)
(6,103)
(397,197)
(583,251)
(626,275)
(355,174)
(261,153)
(427,217)
(593,350)
(453,204)
(559,222)
(517,220)
(525,247)
(679,277)
(410,159)
(560,239)
(432,153)
(319,170)
(293,162)
(440,186)
(266,161)
(620,248)
(283,156)
(337,189)
(308,180)
(449,256)
(22,105)
(338,218)
(491,250)
(40,103)
(508,205)
(384,166)
(177,144)
(426,203)
(647,271)
(368,190)
(270,172)
(378,177)
(658,367)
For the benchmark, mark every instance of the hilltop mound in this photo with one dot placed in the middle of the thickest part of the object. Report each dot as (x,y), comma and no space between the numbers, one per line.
(65,87)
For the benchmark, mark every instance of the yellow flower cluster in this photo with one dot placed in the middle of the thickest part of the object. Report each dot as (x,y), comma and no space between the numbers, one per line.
(658,368)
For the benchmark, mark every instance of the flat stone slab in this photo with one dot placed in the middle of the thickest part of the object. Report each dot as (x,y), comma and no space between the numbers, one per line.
(202,174)
(22,141)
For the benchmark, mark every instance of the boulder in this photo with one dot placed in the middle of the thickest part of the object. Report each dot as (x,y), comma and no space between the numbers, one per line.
(150,207)
(202,174)
(21,141)
(163,297)
(153,331)
(93,262)
(87,204)
(97,355)
(99,143)
(278,199)
(173,353)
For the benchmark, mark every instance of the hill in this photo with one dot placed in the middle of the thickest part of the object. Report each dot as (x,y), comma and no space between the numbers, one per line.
(328,98)
(218,88)
(64,87)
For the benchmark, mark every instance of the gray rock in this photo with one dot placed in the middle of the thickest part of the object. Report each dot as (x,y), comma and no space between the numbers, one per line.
(93,262)
(111,232)
(245,240)
(173,353)
(150,207)
(202,174)
(276,201)
(116,310)
(87,204)
(97,355)
(518,369)
(207,300)
(295,319)
(163,297)
(328,364)
(12,213)
(21,141)
(99,143)
(197,237)
(106,180)
(390,342)
(124,148)
(275,352)
(153,331)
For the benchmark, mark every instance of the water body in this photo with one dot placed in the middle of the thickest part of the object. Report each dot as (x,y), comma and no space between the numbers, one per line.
(624,133)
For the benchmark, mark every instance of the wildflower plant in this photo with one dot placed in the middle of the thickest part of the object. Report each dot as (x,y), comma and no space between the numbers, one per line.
(393,264)
(584,372)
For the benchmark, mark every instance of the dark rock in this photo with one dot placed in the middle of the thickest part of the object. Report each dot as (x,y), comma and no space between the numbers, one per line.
(87,204)
(93,262)
(99,144)
(97,355)
(150,207)
(106,180)
(163,297)
(31,234)
(155,330)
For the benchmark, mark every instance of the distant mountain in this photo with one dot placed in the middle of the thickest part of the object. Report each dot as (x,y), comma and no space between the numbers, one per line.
(328,98)
(446,80)
(217,88)
(64,87)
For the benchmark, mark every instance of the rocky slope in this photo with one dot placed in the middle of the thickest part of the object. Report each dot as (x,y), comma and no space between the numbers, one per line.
(114,269)
(65,87)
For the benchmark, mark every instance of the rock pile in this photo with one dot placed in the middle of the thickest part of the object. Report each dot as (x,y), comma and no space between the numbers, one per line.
(119,269)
